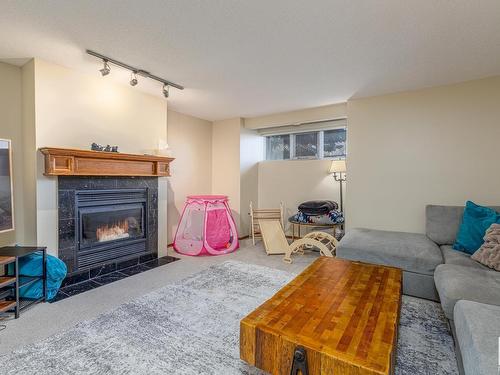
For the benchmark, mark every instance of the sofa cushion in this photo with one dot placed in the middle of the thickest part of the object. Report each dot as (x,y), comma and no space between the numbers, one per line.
(459,258)
(409,251)
(477,328)
(442,222)
(454,282)
(475,222)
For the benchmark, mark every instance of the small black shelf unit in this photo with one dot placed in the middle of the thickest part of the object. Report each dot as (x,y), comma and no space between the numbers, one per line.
(10,300)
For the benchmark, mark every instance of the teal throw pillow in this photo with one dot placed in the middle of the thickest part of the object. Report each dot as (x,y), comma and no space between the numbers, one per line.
(476,220)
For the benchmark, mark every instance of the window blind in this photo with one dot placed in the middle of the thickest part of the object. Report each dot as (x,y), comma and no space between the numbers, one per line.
(304,127)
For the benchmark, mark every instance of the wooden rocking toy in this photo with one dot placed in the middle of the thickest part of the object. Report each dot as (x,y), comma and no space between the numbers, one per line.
(324,242)
(275,241)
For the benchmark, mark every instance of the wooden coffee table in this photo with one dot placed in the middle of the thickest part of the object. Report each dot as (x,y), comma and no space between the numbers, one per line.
(335,318)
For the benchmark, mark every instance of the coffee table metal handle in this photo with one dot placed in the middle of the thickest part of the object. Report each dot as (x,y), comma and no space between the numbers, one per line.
(299,361)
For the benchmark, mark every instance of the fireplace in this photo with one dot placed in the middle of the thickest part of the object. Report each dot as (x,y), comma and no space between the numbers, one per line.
(110,224)
(106,223)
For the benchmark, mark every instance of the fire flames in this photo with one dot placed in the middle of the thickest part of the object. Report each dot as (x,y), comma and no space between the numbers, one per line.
(112,232)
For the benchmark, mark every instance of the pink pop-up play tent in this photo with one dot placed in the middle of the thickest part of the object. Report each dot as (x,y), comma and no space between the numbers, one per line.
(206,227)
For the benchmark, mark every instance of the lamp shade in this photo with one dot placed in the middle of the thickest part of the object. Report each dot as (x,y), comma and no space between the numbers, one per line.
(337,166)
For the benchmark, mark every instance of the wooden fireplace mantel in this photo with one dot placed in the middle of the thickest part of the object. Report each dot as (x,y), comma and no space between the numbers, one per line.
(72,162)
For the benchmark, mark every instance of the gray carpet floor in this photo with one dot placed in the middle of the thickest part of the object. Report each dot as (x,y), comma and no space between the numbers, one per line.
(47,319)
(192,327)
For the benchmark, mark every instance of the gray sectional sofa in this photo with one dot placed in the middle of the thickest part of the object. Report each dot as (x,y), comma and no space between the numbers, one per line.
(468,291)
(477,332)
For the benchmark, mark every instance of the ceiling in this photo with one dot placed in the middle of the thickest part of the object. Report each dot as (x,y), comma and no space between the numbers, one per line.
(240,58)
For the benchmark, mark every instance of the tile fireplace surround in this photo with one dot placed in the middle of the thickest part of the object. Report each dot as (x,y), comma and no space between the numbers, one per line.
(82,198)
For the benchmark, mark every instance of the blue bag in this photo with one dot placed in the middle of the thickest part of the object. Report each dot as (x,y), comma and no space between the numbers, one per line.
(31,265)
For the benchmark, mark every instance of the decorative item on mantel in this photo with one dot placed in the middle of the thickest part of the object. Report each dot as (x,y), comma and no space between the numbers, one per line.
(108,148)
(163,149)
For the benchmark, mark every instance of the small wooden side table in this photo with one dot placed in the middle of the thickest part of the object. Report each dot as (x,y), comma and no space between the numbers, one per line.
(11,282)
(311,225)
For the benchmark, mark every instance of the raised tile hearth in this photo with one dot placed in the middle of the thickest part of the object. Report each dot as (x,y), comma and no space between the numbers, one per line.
(70,290)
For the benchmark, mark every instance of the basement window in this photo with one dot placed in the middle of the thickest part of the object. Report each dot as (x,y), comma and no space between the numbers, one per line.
(306,145)
(334,143)
(278,147)
(320,140)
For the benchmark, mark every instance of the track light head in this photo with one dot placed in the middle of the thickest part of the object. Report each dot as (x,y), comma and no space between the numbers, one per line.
(165,90)
(133,79)
(106,69)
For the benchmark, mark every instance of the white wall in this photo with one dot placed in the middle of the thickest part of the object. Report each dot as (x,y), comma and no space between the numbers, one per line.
(73,110)
(11,128)
(432,146)
(190,141)
(251,153)
(294,182)
(226,162)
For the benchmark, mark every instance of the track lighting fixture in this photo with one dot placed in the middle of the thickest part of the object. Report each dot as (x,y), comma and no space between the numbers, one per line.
(165,90)
(134,73)
(133,79)
(105,70)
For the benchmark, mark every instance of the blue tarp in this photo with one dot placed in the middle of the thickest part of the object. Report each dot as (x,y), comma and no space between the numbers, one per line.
(31,265)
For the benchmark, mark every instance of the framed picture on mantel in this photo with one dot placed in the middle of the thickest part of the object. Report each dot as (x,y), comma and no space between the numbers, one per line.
(6,195)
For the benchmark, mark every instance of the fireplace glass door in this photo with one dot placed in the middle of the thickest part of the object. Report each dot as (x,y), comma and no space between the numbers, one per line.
(107,224)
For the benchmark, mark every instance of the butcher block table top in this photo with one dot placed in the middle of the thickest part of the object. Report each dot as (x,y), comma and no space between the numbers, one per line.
(344,314)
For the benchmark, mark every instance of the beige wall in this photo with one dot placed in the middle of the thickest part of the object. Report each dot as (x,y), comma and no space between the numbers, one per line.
(406,150)
(226,162)
(29,153)
(190,142)
(73,110)
(327,112)
(251,153)
(213,158)
(293,182)
(11,128)
(432,146)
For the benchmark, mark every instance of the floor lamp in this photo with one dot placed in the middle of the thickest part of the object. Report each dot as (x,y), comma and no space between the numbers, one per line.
(338,169)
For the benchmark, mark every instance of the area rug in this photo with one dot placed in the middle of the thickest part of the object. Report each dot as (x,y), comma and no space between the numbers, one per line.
(192,327)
